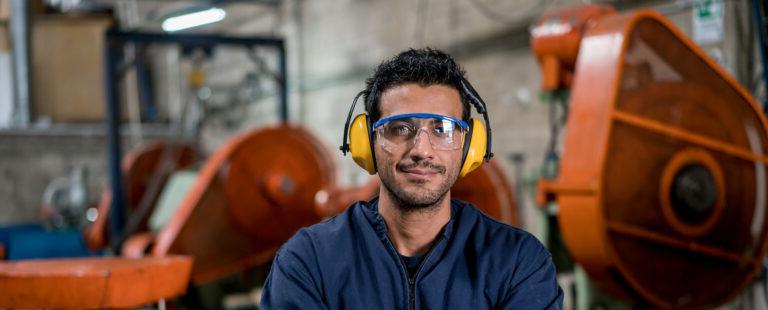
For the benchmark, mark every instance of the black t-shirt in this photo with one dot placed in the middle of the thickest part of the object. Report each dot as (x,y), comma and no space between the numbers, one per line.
(412,263)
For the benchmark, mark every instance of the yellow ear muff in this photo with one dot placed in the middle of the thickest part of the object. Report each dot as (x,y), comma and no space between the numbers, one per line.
(475,154)
(360,143)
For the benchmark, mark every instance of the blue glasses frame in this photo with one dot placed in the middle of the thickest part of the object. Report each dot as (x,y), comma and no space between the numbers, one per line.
(383,121)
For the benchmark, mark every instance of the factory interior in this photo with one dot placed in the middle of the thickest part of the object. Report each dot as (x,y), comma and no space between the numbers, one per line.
(157,153)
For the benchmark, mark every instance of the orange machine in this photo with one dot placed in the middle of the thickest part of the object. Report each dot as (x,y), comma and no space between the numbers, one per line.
(662,183)
(146,170)
(262,186)
(107,282)
(249,197)
(91,283)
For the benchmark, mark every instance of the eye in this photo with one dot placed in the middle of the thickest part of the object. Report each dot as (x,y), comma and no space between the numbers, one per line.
(443,128)
(400,129)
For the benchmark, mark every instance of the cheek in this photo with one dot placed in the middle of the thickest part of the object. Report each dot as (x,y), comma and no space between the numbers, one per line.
(384,158)
(455,159)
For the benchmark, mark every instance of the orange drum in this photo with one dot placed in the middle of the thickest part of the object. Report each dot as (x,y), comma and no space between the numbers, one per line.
(662,186)
(250,197)
(488,189)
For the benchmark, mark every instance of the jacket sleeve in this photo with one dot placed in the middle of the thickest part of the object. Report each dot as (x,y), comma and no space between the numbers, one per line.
(534,282)
(293,281)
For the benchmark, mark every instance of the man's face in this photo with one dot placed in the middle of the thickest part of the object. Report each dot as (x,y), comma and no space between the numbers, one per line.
(418,175)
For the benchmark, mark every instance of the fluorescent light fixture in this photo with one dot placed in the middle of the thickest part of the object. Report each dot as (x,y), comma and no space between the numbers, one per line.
(195,19)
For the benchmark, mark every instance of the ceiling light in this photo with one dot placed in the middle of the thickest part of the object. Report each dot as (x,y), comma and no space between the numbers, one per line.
(195,19)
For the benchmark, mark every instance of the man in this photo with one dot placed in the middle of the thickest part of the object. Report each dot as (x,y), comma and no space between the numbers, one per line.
(413,247)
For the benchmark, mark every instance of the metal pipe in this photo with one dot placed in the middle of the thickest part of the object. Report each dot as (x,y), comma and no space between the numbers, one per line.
(283,81)
(112,54)
(761,28)
(191,39)
(19,26)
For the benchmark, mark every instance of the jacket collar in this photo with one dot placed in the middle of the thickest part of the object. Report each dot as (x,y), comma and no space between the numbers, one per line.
(371,211)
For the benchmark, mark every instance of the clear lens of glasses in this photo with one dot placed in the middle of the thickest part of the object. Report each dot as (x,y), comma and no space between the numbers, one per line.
(443,133)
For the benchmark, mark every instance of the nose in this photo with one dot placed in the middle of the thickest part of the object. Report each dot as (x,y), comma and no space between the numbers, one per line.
(422,148)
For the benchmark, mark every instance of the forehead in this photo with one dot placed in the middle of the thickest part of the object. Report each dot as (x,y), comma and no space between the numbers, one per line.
(414,98)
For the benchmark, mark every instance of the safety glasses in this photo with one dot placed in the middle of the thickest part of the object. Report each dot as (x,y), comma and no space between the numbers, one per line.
(401,131)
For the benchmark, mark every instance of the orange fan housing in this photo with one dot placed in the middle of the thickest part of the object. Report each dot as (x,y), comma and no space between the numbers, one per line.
(662,186)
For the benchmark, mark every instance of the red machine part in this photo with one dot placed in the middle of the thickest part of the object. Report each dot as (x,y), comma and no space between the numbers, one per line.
(91,283)
(662,186)
(486,187)
(333,200)
(555,40)
(146,169)
(250,196)
(141,164)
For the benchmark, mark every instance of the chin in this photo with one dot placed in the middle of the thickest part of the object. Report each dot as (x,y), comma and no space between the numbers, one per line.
(414,193)
(419,198)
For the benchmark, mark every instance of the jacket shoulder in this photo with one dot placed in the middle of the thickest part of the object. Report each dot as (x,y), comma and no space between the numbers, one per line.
(329,233)
(522,263)
(497,237)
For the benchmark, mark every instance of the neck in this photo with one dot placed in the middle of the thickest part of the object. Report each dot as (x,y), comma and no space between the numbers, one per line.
(413,231)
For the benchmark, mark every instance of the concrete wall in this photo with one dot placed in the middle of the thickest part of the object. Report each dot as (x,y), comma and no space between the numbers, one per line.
(31,159)
(29,163)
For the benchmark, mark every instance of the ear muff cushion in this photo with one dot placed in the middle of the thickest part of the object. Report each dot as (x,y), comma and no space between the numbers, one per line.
(474,153)
(360,143)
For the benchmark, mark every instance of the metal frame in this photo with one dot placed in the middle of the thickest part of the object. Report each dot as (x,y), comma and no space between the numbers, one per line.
(21,57)
(113,57)
(761,28)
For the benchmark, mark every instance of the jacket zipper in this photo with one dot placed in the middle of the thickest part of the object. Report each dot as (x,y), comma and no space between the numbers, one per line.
(411,293)
(412,279)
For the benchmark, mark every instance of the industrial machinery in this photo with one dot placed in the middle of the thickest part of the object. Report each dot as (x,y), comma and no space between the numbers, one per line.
(90,283)
(135,281)
(245,201)
(146,170)
(661,188)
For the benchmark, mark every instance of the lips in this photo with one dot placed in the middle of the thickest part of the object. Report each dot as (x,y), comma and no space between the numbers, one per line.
(419,176)
(423,171)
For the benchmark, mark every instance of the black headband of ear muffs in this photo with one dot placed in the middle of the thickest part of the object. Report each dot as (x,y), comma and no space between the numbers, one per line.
(481,108)
(344,143)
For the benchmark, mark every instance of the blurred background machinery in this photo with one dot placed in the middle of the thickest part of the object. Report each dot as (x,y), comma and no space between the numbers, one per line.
(191,138)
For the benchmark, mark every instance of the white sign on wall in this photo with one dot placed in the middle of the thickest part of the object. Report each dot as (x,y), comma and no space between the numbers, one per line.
(708,21)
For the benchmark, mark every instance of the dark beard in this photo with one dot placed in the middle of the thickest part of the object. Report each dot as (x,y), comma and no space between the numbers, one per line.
(410,204)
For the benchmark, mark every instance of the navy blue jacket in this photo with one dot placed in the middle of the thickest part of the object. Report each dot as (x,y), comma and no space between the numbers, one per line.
(348,262)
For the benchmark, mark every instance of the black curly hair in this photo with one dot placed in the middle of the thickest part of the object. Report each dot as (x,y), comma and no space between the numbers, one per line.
(422,66)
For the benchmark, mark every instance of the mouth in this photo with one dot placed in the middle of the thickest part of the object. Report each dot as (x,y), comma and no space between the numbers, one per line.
(420,173)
